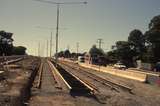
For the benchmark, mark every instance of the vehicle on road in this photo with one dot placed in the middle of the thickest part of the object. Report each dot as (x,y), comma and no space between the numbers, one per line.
(81,59)
(119,65)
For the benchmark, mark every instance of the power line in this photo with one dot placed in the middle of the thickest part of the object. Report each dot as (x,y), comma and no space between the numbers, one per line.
(58,11)
(61,3)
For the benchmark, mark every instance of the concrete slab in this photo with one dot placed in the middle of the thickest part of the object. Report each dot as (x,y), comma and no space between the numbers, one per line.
(122,73)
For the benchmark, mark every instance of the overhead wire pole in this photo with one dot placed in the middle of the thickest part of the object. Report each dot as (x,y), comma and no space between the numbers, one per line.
(51,45)
(57,29)
(47,49)
(58,11)
(51,38)
(100,41)
(39,49)
(77,48)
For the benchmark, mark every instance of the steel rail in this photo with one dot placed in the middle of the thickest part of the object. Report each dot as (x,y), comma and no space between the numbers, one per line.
(40,76)
(104,81)
(57,75)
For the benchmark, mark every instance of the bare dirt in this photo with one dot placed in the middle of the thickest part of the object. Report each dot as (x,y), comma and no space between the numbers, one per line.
(15,84)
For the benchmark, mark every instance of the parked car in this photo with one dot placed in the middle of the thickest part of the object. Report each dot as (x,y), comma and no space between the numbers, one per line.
(119,66)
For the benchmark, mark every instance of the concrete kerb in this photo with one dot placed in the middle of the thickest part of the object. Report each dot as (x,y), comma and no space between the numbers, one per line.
(127,74)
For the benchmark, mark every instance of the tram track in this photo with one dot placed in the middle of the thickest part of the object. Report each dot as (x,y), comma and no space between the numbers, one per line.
(77,85)
(64,80)
(112,85)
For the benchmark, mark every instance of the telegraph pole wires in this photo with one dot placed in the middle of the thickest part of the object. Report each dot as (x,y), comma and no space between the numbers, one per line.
(58,12)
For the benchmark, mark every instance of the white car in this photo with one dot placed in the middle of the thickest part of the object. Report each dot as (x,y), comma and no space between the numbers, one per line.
(119,66)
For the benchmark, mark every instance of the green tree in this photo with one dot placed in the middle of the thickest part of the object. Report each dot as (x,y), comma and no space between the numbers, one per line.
(67,54)
(125,53)
(61,54)
(112,56)
(6,43)
(19,50)
(153,37)
(137,42)
(94,51)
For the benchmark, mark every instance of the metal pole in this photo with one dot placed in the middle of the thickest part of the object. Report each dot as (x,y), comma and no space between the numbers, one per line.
(57,29)
(47,49)
(39,49)
(77,48)
(58,9)
(51,45)
(100,43)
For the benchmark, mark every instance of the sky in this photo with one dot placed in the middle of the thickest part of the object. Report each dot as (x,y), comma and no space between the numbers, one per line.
(110,20)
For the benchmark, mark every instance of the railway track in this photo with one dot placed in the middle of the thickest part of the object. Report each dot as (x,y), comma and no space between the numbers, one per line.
(77,86)
(63,80)
(38,85)
(51,78)
(10,59)
(112,85)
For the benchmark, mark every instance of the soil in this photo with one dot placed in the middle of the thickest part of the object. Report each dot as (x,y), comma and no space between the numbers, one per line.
(16,82)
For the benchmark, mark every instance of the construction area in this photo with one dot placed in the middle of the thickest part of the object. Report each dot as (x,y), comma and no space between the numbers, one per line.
(35,81)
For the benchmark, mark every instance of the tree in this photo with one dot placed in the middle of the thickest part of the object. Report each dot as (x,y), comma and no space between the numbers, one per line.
(112,56)
(94,51)
(153,37)
(98,56)
(67,54)
(155,23)
(137,42)
(61,54)
(6,43)
(124,53)
(19,50)
(74,55)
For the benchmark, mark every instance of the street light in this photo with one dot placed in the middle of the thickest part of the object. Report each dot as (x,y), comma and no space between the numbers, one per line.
(58,10)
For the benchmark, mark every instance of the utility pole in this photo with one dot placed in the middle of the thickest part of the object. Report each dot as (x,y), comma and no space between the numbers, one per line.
(51,45)
(39,49)
(58,11)
(100,41)
(51,41)
(68,47)
(42,49)
(47,49)
(77,48)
